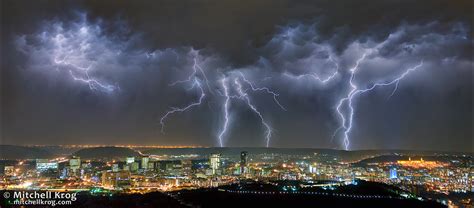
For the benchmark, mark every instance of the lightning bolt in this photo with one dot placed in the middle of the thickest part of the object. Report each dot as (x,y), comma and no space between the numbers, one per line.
(341,102)
(93,84)
(196,69)
(173,110)
(244,96)
(223,131)
(347,123)
(264,89)
(316,76)
(195,83)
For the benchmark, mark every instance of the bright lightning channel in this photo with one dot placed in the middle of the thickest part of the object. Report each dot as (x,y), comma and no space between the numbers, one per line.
(245,96)
(346,123)
(264,89)
(225,125)
(197,84)
(93,84)
(316,76)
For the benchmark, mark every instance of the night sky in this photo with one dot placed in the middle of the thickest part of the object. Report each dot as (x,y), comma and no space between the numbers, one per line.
(106,72)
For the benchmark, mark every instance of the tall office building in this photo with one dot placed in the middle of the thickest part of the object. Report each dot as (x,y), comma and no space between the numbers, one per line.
(215,162)
(75,164)
(145,160)
(130,160)
(45,164)
(119,179)
(393,173)
(243,162)
(115,167)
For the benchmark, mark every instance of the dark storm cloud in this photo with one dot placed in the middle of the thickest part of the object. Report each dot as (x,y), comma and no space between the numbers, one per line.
(290,47)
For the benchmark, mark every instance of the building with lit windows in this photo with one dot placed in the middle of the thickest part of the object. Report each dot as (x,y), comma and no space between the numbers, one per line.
(215,162)
(243,161)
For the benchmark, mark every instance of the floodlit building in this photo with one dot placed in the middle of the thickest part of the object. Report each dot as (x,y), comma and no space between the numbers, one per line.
(393,173)
(145,161)
(45,164)
(9,170)
(119,179)
(243,162)
(130,160)
(75,164)
(215,162)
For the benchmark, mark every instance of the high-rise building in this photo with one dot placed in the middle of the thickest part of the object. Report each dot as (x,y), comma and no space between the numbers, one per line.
(130,160)
(119,179)
(9,170)
(115,167)
(393,173)
(243,162)
(312,168)
(133,167)
(45,164)
(75,164)
(145,160)
(215,162)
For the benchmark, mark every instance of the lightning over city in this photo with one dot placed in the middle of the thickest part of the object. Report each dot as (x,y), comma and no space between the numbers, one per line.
(347,119)
(288,82)
(285,103)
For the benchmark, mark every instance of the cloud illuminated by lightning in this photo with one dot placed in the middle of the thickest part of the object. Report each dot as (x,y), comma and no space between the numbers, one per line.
(74,55)
(80,49)
(316,76)
(88,57)
(94,84)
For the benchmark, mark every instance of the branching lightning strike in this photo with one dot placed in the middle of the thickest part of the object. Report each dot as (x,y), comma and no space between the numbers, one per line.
(225,125)
(264,89)
(93,84)
(316,76)
(347,120)
(245,96)
(197,84)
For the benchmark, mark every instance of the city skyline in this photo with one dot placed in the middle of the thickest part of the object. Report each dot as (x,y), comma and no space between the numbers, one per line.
(188,176)
(269,74)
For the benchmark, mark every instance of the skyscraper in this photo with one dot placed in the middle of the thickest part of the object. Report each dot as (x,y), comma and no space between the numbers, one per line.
(215,162)
(145,160)
(130,159)
(243,161)
(75,164)
(393,173)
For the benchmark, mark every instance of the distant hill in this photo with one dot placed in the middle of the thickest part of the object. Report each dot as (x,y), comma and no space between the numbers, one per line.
(12,152)
(395,158)
(351,156)
(106,153)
